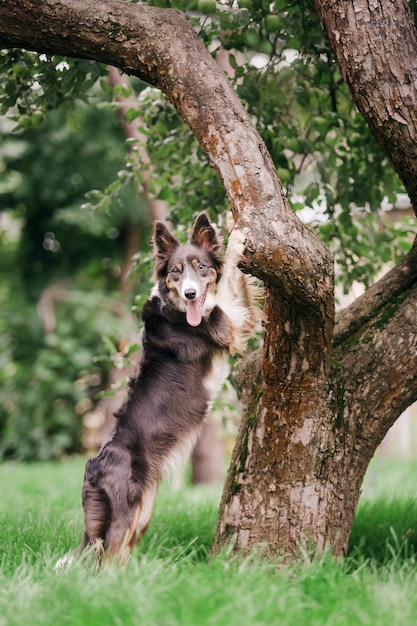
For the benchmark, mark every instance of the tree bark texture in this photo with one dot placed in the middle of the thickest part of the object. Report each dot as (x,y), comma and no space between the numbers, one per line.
(315,408)
(375,43)
(297,470)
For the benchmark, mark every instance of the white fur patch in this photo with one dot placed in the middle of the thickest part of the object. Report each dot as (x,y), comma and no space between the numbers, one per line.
(155,291)
(145,514)
(218,373)
(190,284)
(211,299)
(179,455)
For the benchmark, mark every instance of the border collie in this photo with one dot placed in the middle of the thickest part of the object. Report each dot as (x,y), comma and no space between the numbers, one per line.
(201,309)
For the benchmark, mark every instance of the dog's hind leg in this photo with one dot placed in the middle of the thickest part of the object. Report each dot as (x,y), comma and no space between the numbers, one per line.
(128,527)
(96,516)
(97,512)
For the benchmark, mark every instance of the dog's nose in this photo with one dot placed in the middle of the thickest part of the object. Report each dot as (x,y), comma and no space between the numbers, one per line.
(190,294)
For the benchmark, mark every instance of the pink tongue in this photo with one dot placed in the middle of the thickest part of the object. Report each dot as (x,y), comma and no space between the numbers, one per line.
(194,312)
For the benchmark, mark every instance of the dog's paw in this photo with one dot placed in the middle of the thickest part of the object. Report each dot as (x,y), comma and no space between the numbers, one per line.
(220,328)
(65,561)
(236,244)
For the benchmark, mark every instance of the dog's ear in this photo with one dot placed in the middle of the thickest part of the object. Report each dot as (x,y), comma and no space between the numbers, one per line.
(164,243)
(204,234)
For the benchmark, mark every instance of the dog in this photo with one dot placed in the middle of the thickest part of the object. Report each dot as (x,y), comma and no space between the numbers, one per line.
(201,310)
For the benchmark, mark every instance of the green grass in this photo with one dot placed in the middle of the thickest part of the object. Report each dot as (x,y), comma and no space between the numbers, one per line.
(171,582)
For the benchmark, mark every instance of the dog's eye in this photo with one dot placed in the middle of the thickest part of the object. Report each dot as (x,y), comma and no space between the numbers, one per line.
(175,270)
(201,267)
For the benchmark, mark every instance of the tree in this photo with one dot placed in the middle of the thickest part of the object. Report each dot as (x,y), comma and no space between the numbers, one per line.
(325,391)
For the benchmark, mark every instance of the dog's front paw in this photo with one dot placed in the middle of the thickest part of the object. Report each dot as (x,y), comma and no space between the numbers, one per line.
(220,328)
(236,244)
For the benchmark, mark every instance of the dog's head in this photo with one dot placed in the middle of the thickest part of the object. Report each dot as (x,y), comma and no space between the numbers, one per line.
(187,274)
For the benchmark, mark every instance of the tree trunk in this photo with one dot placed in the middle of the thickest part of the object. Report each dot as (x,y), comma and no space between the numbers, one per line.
(302,451)
(314,413)
(275,495)
(375,46)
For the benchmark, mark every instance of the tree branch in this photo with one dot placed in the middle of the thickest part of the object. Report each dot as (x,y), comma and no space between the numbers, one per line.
(145,41)
(375,354)
(349,321)
(379,369)
(375,44)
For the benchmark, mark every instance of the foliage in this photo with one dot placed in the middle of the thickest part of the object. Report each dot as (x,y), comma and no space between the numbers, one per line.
(49,381)
(36,84)
(285,72)
(51,241)
(169,579)
(46,173)
(181,174)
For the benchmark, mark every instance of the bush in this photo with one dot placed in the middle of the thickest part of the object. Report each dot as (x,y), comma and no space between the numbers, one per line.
(49,381)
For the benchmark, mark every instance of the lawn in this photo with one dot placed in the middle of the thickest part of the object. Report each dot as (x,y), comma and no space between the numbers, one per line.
(170,581)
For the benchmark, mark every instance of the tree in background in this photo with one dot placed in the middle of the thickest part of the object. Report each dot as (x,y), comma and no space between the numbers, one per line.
(324,391)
